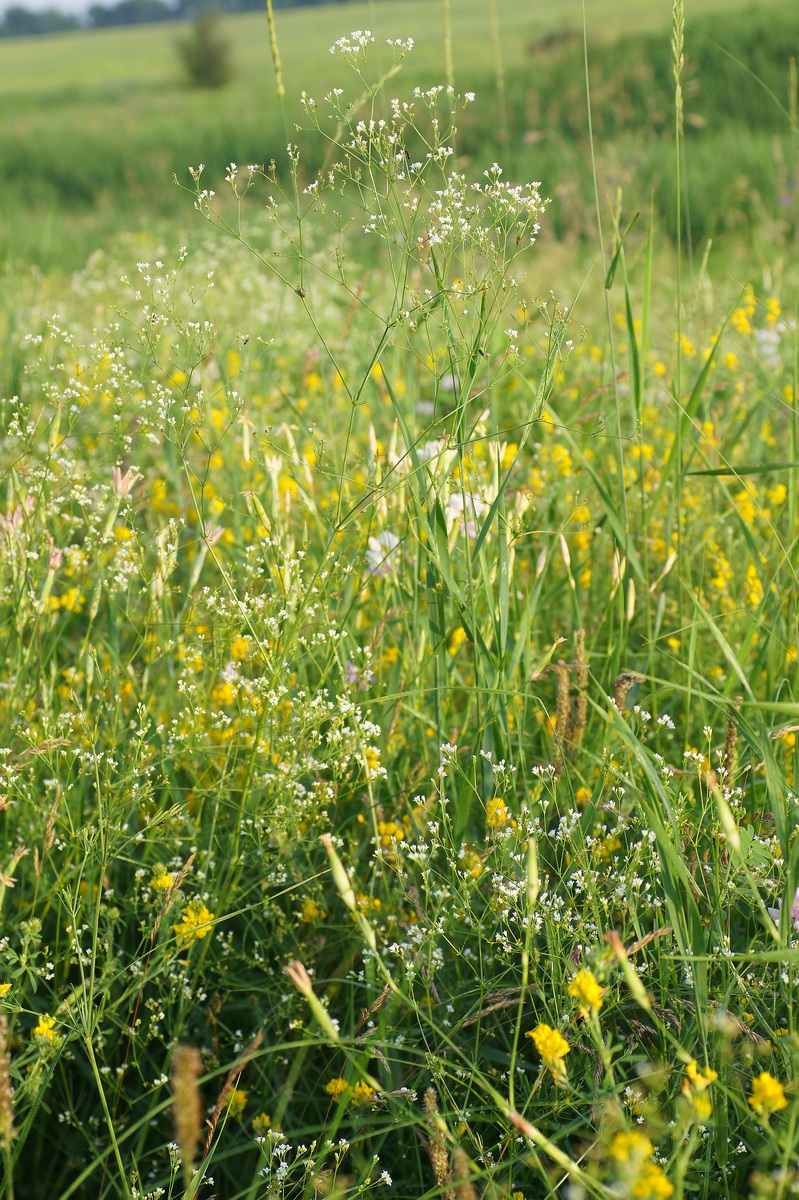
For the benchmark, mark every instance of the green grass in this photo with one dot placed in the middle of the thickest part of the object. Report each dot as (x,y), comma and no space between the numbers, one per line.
(398,711)
(95,124)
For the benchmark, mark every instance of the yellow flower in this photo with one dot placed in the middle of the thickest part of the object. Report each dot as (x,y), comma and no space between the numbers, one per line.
(740,321)
(388,830)
(362,1093)
(336,1087)
(652,1184)
(195,922)
(456,640)
(583,796)
(767,1096)
(223,693)
(312,912)
(752,586)
(46,1029)
(469,861)
(237,1102)
(553,1048)
(586,991)
(240,648)
(262,1124)
(372,756)
(731,361)
(162,879)
(5,988)
(496,813)
(745,503)
(627,1147)
(774,309)
(700,1079)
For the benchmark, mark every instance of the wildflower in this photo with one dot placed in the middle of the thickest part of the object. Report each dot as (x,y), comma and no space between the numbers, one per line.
(161,879)
(312,912)
(695,1086)
(362,1093)
(337,1087)
(240,648)
(631,1147)
(652,1184)
(553,1048)
(586,991)
(372,756)
(223,693)
(583,796)
(46,1030)
(768,1095)
(699,1079)
(237,1102)
(262,1123)
(389,830)
(775,912)
(464,510)
(496,813)
(381,553)
(5,988)
(195,922)
(456,640)
(469,861)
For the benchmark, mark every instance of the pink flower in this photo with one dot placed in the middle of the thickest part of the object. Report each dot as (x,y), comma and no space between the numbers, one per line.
(775,912)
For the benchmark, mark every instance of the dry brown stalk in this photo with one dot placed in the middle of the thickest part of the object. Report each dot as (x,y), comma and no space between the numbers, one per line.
(233,1076)
(462,1171)
(581,707)
(437,1144)
(563,718)
(7,1131)
(731,740)
(624,681)
(187,1102)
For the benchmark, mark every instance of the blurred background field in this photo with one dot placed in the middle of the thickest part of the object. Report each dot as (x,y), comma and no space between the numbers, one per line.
(93,124)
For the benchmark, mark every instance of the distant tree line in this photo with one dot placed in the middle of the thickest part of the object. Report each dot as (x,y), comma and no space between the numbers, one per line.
(22,22)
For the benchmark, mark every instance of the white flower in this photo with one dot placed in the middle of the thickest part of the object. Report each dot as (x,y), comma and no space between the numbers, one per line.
(381,553)
(463,508)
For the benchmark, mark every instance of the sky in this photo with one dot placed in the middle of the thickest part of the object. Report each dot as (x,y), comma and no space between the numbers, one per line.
(76,7)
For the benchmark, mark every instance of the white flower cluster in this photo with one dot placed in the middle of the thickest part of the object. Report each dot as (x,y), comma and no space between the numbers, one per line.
(355,44)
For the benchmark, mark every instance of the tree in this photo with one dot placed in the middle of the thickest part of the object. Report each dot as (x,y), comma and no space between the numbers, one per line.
(205,52)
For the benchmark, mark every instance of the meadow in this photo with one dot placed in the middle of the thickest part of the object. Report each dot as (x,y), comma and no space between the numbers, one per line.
(400,614)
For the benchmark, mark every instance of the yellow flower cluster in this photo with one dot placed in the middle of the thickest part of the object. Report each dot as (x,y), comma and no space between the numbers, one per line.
(361,1093)
(695,1086)
(768,1095)
(195,922)
(261,1124)
(496,813)
(553,1048)
(237,1102)
(586,991)
(46,1029)
(311,911)
(645,1179)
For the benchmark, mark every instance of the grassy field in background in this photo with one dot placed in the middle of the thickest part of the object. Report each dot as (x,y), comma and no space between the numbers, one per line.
(122,59)
(95,124)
